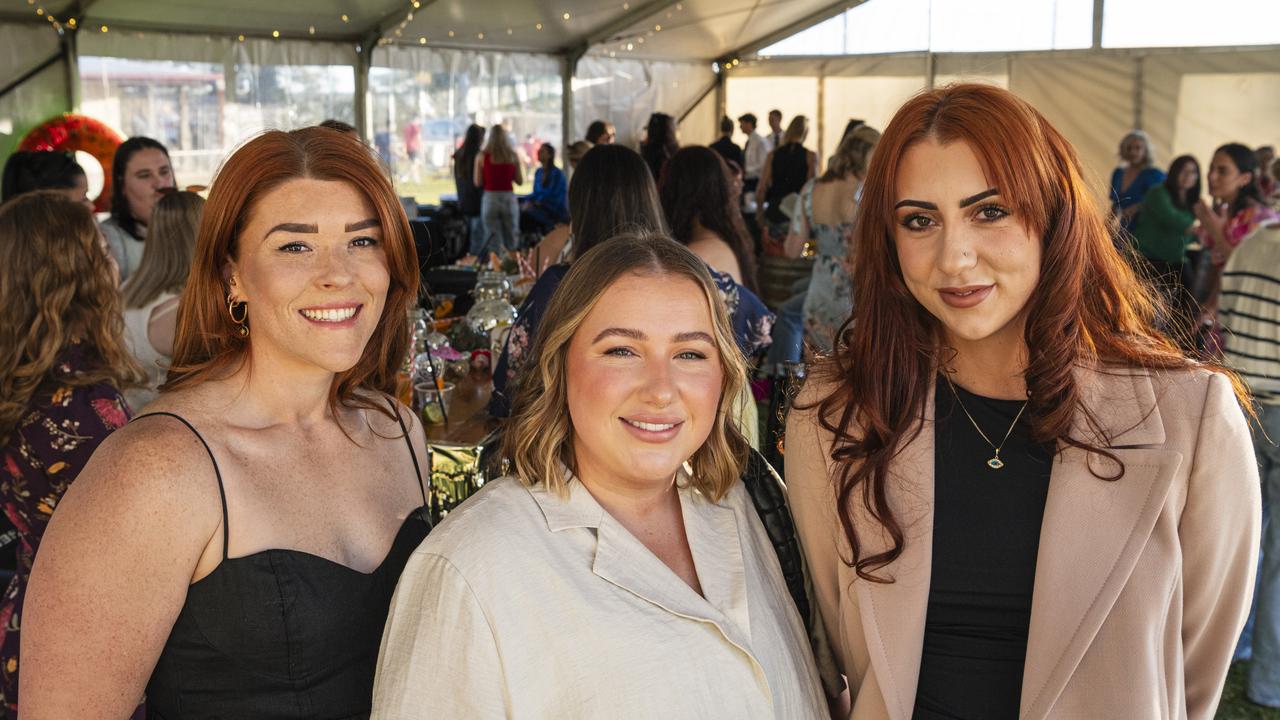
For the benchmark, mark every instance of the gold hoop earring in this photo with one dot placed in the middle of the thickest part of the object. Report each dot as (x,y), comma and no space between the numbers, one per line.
(242,329)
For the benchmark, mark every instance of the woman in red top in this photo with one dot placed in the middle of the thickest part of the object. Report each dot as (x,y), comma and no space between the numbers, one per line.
(497,170)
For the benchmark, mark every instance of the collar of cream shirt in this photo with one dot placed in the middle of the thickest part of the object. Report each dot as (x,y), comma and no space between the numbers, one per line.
(579,509)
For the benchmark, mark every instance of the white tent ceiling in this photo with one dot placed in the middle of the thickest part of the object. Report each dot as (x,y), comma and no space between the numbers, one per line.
(655,29)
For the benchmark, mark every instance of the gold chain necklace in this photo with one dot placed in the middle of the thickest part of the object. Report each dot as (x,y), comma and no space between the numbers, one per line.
(995,463)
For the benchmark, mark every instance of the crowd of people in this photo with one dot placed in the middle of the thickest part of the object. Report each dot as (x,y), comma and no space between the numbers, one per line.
(1021,467)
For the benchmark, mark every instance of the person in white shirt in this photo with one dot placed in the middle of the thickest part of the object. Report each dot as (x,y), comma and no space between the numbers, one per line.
(621,570)
(756,151)
(775,129)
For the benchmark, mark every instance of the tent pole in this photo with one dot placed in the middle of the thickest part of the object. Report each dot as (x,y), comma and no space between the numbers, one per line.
(1097,24)
(567,131)
(364,60)
(722,97)
(71,68)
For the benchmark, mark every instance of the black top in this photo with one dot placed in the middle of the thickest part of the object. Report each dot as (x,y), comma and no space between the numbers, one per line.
(787,174)
(986,532)
(730,151)
(468,194)
(279,634)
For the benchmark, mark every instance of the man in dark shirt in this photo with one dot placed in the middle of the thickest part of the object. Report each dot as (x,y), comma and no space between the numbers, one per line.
(725,145)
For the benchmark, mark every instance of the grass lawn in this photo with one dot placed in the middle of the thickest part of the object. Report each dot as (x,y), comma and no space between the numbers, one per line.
(1234,705)
(428,190)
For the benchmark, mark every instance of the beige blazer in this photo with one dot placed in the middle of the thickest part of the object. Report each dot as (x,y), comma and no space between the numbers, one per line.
(1142,585)
(525,604)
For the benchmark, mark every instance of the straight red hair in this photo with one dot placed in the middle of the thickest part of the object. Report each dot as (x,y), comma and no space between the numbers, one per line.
(1089,308)
(206,345)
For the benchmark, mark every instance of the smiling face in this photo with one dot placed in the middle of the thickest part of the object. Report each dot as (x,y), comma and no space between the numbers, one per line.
(1225,179)
(311,266)
(146,177)
(964,256)
(644,378)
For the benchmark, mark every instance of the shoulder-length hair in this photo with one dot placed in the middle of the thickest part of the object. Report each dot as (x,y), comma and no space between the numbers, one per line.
(499,146)
(119,166)
(1182,198)
(206,345)
(57,287)
(696,190)
(1148,157)
(171,241)
(853,155)
(1088,308)
(539,437)
(612,192)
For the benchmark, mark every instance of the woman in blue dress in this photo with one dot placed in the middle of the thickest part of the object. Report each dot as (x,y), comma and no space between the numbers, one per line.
(1131,181)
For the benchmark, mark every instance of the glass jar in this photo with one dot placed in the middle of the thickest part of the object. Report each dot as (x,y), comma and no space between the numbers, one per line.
(493,306)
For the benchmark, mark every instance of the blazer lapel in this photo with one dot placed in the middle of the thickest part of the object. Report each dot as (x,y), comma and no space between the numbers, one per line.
(893,614)
(1094,529)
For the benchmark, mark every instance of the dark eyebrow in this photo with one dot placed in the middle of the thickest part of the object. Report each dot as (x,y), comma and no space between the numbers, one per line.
(364,225)
(695,335)
(293,228)
(980,196)
(622,332)
(915,203)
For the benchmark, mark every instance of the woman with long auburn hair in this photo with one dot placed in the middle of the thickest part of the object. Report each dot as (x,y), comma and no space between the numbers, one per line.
(63,363)
(233,552)
(1017,499)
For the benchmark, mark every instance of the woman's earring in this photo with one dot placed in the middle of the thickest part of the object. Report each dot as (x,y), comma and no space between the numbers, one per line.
(242,329)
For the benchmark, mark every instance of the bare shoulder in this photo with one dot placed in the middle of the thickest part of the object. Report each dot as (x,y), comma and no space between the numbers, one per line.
(155,456)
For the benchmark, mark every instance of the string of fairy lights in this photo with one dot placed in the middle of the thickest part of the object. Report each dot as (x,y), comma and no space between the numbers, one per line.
(399,32)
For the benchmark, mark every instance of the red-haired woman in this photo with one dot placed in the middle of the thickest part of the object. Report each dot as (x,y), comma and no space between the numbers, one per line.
(234,551)
(63,362)
(1016,498)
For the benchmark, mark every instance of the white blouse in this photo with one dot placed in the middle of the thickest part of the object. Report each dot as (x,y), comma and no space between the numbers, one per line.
(522,604)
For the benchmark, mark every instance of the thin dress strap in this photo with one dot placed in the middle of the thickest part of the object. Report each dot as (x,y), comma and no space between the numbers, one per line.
(222,494)
(413,455)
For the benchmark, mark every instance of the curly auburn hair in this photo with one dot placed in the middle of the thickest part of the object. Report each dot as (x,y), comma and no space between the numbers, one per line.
(206,345)
(58,287)
(1089,308)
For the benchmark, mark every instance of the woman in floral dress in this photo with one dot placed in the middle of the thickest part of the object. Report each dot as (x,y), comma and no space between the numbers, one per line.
(62,364)
(829,300)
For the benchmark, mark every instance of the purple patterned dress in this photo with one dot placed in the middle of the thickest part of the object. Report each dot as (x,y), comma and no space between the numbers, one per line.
(39,459)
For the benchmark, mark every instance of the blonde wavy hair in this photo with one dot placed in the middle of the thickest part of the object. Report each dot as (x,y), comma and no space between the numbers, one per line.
(499,147)
(853,156)
(58,287)
(538,440)
(171,242)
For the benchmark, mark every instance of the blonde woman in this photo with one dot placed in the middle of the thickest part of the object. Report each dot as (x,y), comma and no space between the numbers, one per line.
(825,215)
(621,570)
(62,365)
(151,293)
(497,170)
(786,170)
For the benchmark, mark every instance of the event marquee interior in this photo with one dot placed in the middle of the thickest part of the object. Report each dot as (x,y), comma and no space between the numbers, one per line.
(201,75)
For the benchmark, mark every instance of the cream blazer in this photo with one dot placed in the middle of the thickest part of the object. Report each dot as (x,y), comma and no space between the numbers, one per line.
(1142,585)
(522,604)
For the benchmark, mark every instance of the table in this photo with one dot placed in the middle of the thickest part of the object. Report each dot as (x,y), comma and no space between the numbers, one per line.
(454,449)
(469,420)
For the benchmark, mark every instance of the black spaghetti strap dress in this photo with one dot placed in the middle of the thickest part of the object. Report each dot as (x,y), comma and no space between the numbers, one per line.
(279,634)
